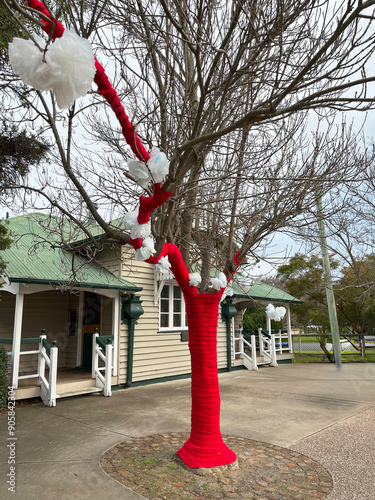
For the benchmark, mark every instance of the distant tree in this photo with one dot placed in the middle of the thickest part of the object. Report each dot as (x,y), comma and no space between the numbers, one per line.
(19,150)
(303,278)
(5,242)
(356,295)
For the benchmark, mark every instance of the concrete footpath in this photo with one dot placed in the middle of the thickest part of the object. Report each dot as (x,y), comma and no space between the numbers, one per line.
(314,409)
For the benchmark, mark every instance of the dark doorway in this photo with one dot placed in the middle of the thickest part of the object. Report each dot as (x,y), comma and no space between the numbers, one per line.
(91,320)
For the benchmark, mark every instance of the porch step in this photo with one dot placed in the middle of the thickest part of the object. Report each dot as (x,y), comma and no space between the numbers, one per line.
(261,361)
(78,392)
(75,385)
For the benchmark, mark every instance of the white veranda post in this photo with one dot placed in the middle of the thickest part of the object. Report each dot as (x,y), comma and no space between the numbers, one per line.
(16,348)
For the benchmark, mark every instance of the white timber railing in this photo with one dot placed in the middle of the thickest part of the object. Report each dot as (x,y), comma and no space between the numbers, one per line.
(283,342)
(47,355)
(103,352)
(267,347)
(247,350)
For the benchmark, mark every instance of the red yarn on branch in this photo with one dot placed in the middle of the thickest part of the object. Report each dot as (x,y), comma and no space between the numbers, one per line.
(148,203)
(205,447)
(104,86)
(109,93)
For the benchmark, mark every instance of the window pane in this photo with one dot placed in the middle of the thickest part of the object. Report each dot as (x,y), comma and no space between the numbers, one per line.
(176,292)
(165,292)
(177,306)
(176,320)
(164,323)
(164,305)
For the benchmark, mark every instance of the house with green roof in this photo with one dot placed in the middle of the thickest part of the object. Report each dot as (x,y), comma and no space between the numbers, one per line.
(73,324)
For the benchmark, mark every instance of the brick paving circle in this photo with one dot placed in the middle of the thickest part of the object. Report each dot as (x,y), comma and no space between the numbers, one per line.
(150,467)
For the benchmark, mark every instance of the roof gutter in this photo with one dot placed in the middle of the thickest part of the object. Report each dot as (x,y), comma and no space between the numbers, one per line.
(36,281)
(254,297)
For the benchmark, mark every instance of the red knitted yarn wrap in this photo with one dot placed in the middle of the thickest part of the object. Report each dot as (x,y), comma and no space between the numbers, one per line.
(205,447)
(128,131)
(40,7)
(104,86)
(148,203)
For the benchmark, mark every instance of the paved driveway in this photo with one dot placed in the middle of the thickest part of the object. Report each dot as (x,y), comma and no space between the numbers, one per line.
(313,408)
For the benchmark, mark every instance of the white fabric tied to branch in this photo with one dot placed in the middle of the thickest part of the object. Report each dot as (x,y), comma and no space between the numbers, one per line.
(140,172)
(275,313)
(136,230)
(195,279)
(146,250)
(68,67)
(163,266)
(219,282)
(156,169)
(158,164)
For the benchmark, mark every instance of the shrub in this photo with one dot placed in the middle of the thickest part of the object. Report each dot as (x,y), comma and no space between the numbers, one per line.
(3,378)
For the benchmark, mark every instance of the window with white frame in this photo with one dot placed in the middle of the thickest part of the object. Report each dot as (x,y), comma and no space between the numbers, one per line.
(172,309)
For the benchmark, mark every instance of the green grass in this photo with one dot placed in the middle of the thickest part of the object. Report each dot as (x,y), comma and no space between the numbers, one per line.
(319,357)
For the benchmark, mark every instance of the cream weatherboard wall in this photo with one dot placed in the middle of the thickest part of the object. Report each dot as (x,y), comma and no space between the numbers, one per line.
(156,354)
(48,310)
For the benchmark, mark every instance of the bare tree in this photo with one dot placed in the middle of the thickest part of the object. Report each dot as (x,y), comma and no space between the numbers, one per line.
(223,88)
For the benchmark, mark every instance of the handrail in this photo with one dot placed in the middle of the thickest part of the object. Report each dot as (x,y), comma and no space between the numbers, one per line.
(105,353)
(31,340)
(265,333)
(103,340)
(250,362)
(246,336)
(47,355)
(267,347)
(46,345)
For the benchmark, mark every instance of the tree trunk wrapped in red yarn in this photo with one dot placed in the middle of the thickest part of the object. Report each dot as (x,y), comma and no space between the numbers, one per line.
(205,447)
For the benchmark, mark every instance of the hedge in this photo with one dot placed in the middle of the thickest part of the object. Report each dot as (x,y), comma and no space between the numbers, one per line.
(4,379)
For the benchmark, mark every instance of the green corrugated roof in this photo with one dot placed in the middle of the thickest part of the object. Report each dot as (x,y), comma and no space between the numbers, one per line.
(33,258)
(262,291)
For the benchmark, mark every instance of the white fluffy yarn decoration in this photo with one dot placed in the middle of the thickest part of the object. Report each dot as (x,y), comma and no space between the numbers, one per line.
(219,282)
(140,172)
(150,244)
(130,219)
(68,70)
(275,313)
(195,279)
(136,230)
(140,230)
(158,164)
(142,253)
(281,311)
(146,250)
(163,266)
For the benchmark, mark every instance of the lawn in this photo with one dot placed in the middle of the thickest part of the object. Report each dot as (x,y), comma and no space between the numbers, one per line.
(319,357)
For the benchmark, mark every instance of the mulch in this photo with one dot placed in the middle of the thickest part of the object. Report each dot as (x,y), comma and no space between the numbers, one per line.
(149,466)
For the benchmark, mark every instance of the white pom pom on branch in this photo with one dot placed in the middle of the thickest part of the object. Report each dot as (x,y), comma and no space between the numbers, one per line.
(195,279)
(158,165)
(163,266)
(219,282)
(67,67)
